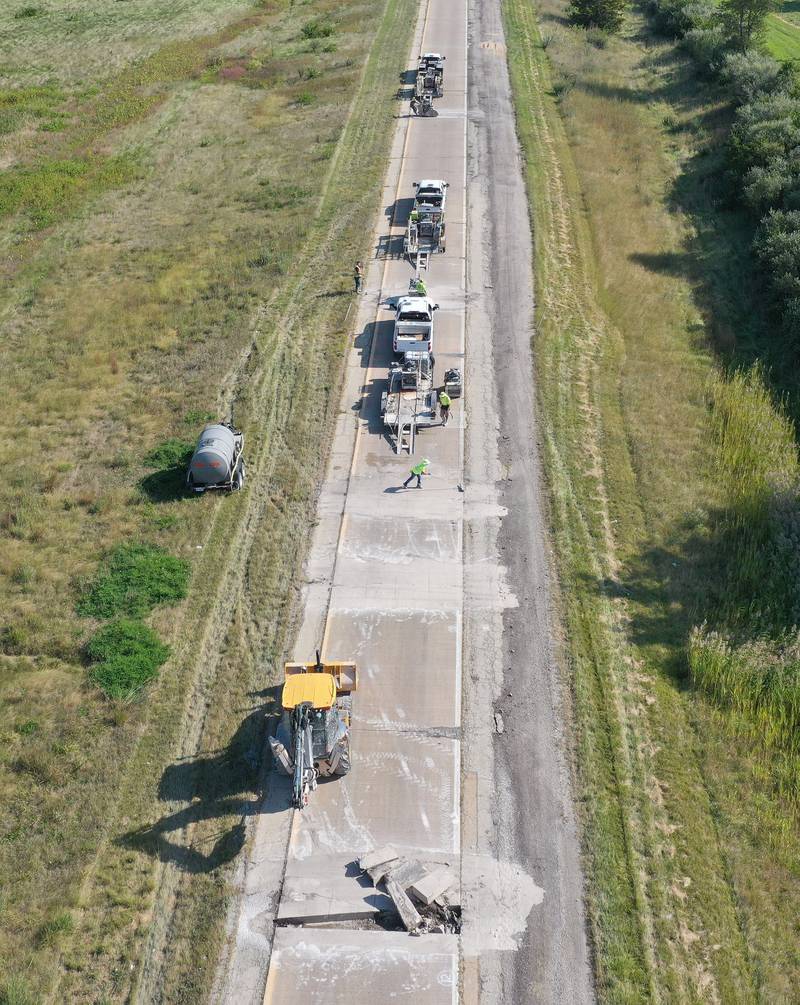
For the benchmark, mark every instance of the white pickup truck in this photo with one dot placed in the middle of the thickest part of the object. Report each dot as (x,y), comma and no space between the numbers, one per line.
(413,325)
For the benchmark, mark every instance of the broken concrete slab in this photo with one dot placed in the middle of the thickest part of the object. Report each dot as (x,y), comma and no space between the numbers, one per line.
(409,915)
(450,899)
(433,885)
(407,871)
(375,857)
(377,872)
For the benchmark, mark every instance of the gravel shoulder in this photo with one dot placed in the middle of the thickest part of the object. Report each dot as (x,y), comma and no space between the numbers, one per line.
(518,804)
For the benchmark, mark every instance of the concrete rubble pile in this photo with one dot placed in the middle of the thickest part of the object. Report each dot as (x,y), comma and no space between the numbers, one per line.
(426,894)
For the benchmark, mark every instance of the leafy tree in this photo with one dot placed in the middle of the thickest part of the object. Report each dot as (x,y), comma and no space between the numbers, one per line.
(604,14)
(743,20)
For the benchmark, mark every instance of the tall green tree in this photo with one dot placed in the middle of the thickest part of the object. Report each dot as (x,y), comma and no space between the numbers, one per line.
(743,20)
(605,14)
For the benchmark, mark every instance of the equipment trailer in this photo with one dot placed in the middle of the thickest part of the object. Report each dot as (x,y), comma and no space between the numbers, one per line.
(425,233)
(313,736)
(430,75)
(409,401)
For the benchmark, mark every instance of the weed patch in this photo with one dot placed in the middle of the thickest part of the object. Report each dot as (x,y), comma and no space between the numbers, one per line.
(319,28)
(126,655)
(56,928)
(16,991)
(135,579)
(46,192)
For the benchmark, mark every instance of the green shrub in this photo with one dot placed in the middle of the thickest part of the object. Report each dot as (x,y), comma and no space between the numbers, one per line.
(707,46)
(749,74)
(320,28)
(170,453)
(765,129)
(126,656)
(28,11)
(605,14)
(195,417)
(777,249)
(306,98)
(136,578)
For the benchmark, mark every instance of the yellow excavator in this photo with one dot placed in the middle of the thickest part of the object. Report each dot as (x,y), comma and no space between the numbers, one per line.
(313,736)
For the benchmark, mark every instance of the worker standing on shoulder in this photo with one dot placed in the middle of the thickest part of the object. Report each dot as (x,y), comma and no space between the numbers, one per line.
(444,406)
(417,472)
(358,276)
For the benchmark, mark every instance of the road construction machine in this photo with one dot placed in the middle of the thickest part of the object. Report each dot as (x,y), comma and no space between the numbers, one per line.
(218,461)
(413,324)
(313,736)
(425,233)
(409,401)
(430,75)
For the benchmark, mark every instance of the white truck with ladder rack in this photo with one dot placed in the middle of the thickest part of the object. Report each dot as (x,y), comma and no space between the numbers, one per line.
(413,323)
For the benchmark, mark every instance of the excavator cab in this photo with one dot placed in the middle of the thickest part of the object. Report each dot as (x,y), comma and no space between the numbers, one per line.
(313,736)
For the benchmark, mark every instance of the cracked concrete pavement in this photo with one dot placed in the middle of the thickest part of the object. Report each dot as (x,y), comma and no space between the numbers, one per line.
(442,597)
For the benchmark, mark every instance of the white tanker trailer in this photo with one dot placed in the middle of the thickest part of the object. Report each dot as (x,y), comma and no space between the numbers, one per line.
(217,462)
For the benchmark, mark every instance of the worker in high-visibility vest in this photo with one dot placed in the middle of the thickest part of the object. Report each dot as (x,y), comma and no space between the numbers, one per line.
(417,472)
(444,406)
(422,289)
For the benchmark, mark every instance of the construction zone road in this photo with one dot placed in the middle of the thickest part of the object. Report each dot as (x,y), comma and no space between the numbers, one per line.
(455,820)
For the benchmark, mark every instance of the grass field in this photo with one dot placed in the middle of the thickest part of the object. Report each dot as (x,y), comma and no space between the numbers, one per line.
(643,296)
(177,225)
(782,38)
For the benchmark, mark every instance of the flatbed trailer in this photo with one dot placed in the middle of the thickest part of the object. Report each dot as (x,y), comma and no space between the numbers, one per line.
(426,231)
(410,400)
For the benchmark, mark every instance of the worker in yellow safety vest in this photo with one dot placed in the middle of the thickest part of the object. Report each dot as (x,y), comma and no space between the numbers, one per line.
(444,406)
(417,472)
(422,289)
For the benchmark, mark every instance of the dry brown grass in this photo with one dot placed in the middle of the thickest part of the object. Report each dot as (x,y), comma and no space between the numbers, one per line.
(194,287)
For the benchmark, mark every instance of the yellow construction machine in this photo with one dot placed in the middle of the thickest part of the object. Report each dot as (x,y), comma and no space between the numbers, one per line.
(313,736)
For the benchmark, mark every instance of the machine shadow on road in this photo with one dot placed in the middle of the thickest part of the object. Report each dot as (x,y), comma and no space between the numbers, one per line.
(379,332)
(399,212)
(217,787)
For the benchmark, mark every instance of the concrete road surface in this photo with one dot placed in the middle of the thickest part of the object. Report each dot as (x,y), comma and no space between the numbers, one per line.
(454,766)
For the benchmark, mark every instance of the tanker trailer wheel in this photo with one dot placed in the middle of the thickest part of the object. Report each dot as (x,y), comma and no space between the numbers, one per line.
(239,477)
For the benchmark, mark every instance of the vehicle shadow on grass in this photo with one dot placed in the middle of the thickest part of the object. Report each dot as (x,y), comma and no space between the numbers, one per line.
(214,787)
(169,483)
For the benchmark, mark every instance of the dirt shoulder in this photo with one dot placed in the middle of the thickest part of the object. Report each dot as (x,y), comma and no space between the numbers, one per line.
(518,813)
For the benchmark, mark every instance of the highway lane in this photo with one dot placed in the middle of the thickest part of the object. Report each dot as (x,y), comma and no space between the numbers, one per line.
(409,583)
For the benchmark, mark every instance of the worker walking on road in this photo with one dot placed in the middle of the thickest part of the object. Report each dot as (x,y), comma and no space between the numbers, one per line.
(444,406)
(417,472)
(358,276)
